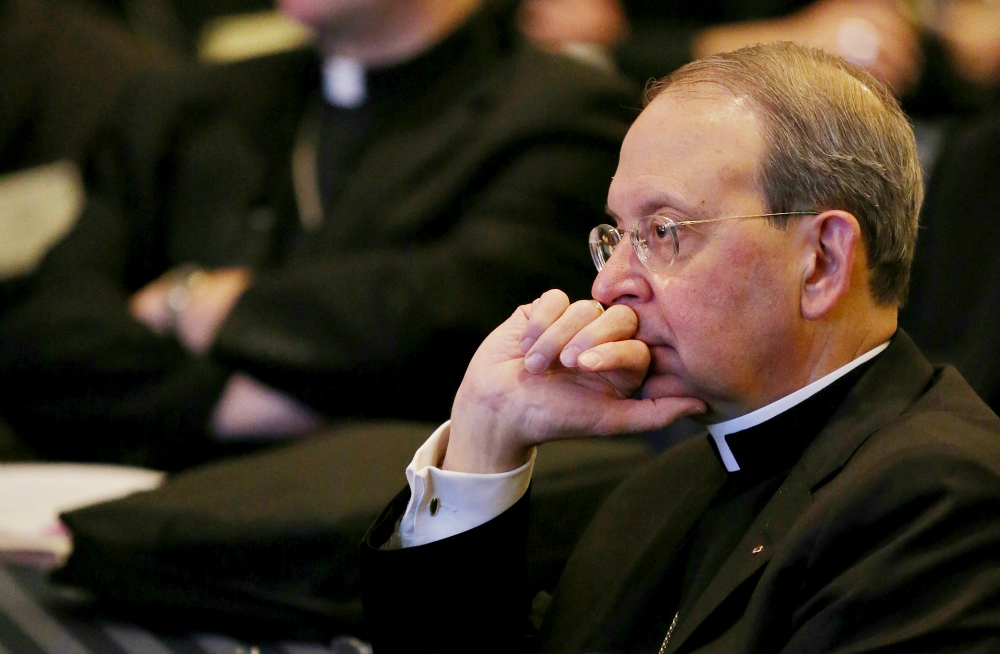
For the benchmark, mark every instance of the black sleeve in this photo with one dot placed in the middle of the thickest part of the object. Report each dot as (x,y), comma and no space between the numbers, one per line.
(466,593)
(332,329)
(92,383)
(89,382)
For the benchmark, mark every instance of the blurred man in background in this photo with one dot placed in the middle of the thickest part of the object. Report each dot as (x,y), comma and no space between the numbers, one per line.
(291,237)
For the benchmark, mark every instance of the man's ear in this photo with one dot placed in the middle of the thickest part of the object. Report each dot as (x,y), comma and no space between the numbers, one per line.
(831,241)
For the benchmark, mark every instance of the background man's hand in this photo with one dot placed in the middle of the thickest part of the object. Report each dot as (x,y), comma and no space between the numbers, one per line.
(206,299)
(251,408)
(553,370)
(971,32)
(874,34)
(551,23)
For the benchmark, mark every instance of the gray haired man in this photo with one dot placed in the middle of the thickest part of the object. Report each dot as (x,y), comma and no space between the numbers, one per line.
(846,495)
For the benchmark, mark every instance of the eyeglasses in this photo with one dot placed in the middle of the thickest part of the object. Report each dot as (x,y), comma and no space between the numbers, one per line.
(655,239)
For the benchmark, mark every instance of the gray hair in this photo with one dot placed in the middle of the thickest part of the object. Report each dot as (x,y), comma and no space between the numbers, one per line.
(836,139)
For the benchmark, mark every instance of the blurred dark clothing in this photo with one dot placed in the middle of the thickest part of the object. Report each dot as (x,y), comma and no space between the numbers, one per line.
(661,34)
(265,546)
(954,302)
(661,40)
(62,71)
(484,164)
(175,24)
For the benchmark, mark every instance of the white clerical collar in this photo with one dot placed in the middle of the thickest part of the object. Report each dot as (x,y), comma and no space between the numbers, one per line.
(344,82)
(720,430)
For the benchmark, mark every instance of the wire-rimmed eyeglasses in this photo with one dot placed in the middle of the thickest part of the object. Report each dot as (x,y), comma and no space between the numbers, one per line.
(655,238)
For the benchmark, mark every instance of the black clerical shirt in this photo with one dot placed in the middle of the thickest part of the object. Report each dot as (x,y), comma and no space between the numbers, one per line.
(399,97)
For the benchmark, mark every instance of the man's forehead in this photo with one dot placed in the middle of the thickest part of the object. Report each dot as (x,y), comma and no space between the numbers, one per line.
(685,148)
(701,105)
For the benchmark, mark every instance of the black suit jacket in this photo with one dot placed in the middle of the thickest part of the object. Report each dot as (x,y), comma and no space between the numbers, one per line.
(885,536)
(478,190)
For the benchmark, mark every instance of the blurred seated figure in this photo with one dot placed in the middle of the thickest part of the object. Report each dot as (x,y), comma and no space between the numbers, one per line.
(295,237)
(939,56)
(62,70)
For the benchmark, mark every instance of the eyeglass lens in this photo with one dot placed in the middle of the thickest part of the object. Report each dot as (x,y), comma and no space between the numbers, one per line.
(654,239)
(603,240)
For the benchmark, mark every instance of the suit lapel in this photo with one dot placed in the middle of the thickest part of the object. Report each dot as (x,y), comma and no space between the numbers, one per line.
(895,381)
(606,572)
(753,552)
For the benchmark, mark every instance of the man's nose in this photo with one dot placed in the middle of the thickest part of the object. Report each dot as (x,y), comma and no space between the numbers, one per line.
(618,278)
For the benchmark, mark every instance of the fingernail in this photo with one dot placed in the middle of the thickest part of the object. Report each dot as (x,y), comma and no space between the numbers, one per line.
(590,359)
(535,362)
(526,343)
(568,356)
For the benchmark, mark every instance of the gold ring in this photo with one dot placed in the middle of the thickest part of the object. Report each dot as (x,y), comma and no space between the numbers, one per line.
(599,306)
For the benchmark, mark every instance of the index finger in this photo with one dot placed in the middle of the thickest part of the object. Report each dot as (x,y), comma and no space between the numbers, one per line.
(618,323)
(544,311)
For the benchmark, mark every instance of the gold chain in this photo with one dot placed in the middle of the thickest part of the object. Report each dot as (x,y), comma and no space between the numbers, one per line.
(670,632)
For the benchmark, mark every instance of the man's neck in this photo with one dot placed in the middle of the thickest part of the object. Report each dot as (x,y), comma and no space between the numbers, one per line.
(810,356)
(789,402)
(392,32)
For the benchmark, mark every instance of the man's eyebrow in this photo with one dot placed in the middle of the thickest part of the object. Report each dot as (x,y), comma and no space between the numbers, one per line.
(657,204)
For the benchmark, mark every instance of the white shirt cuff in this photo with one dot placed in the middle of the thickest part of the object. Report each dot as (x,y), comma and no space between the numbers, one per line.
(444,503)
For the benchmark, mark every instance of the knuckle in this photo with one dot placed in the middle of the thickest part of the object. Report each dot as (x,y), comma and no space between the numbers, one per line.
(555,295)
(623,313)
(585,307)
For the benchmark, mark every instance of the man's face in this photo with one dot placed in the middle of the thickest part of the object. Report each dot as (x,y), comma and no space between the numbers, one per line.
(720,321)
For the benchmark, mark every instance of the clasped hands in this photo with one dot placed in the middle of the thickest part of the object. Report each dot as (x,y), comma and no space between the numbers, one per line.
(246,406)
(554,370)
(209,298)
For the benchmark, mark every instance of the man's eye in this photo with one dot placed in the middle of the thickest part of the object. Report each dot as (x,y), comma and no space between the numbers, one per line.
(661,232)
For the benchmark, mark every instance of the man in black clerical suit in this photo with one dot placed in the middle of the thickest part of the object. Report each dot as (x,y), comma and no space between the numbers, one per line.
(324,236)
(847,495)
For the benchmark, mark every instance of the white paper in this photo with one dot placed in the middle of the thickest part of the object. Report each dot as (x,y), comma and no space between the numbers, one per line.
(32,495)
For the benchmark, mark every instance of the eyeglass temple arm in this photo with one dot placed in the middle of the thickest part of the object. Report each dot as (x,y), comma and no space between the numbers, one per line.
(680,223)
